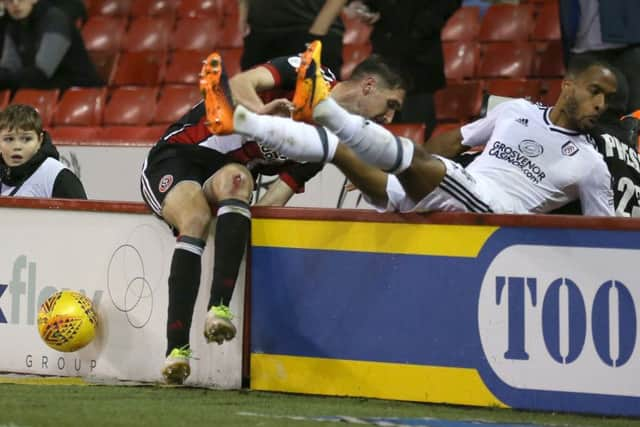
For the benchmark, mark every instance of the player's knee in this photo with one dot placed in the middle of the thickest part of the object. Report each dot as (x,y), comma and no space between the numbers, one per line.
(232,181)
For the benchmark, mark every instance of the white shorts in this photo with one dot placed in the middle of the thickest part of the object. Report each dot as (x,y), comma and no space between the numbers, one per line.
(459,191)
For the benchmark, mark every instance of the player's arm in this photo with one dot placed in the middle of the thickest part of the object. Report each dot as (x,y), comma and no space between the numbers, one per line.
(447,144)
(290,181)
(278,194)
(596,195)
(330,10)
(246,85)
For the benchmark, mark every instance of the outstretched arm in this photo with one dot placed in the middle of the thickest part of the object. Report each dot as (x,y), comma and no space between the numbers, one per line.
(447,144)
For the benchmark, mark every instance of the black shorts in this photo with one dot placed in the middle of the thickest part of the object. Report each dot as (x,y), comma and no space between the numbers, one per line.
(163,170)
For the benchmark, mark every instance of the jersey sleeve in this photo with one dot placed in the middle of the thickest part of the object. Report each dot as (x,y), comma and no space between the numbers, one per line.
(478,132)
(297,174)
(596,195)
(283,70)
(68,186)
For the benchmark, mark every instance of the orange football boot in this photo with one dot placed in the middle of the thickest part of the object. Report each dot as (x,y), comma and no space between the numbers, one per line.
(311,87)
(214,86)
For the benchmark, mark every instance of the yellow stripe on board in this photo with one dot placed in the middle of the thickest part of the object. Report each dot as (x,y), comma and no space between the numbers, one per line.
(392,381)
(27,380)
(415,239)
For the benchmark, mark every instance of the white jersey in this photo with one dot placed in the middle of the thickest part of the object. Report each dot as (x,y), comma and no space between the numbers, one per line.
(529,165)
(40,183)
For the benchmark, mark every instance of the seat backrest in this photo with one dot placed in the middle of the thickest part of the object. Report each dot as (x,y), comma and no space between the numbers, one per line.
(458,102)
(514,88)
(80,106)
(184,67)
(549,60)
(195,33)
(139,68)
(413,131)
(352,55)
(547,26)
(105,63)
(147,33)
(506,59)
(174,102)
(5,96)
(504,22)
(464,24)
(43,100)
(198,8)
(460,59)
(110,7)
(166,8)
(131,106)
(104,33)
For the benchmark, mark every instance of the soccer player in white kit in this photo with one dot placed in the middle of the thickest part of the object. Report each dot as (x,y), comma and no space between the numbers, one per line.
(536,158)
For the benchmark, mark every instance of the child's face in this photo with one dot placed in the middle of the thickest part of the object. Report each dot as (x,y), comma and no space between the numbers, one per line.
(17,146)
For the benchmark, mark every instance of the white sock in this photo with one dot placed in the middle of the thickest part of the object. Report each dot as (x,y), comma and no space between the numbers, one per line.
(295,140)
(371,141)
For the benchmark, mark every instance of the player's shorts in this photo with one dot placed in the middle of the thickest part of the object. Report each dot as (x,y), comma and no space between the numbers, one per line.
(162,172)
(459,191)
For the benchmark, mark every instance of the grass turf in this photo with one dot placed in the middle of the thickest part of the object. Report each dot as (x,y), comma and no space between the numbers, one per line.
(73,405)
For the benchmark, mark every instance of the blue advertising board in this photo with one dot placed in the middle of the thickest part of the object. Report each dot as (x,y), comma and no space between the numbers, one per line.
(511,316)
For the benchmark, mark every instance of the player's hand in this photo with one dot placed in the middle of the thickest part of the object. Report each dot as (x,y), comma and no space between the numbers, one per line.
(278,107)
(348,186)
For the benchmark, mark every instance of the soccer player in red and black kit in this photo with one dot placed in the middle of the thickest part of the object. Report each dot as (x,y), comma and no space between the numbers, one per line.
(200,162)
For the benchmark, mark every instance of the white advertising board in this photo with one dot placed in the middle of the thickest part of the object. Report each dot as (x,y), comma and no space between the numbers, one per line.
(121,261)
(112,172)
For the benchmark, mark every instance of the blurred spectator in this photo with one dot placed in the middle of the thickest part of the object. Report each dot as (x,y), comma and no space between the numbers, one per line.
(75,9)
(276,28)
(483,5)
(408,32)
(29,165)
(608,31)
(43,49)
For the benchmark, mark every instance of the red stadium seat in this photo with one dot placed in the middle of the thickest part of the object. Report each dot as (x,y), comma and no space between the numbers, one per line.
(356,31)
(507,22)
(550,91)
(464,24)
(43,100)
(506,59)
(515,88)
(131,106)
(110,7)
(105,63)
(230,35)
(413,131)
(231,59)
(74,133)
(549,61)
(80,107)
(184,67)
(165,8)
(460,59)
(5,95)
(147,34)
(174,102)
(547,26)
(352,55)
(139,68)
(133,134)
(104,33)
(198,8)
(458,102)
(195,33)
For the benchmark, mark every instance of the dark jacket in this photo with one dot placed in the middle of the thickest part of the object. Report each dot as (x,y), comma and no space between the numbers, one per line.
(408,31)
(45,50)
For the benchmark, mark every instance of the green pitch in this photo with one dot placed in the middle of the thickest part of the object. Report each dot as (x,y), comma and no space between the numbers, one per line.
(55,405)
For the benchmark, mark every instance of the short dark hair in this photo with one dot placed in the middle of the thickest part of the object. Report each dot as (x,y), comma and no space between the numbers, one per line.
(21,117)
(581,63)
(391,72)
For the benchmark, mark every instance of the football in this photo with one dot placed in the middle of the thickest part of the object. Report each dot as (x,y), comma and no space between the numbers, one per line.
(67,321)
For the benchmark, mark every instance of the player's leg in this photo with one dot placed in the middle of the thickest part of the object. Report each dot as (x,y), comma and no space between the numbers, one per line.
(182,204)
(230,188)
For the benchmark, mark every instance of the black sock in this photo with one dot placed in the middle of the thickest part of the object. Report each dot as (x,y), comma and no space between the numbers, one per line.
(232,235)
(184,281)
